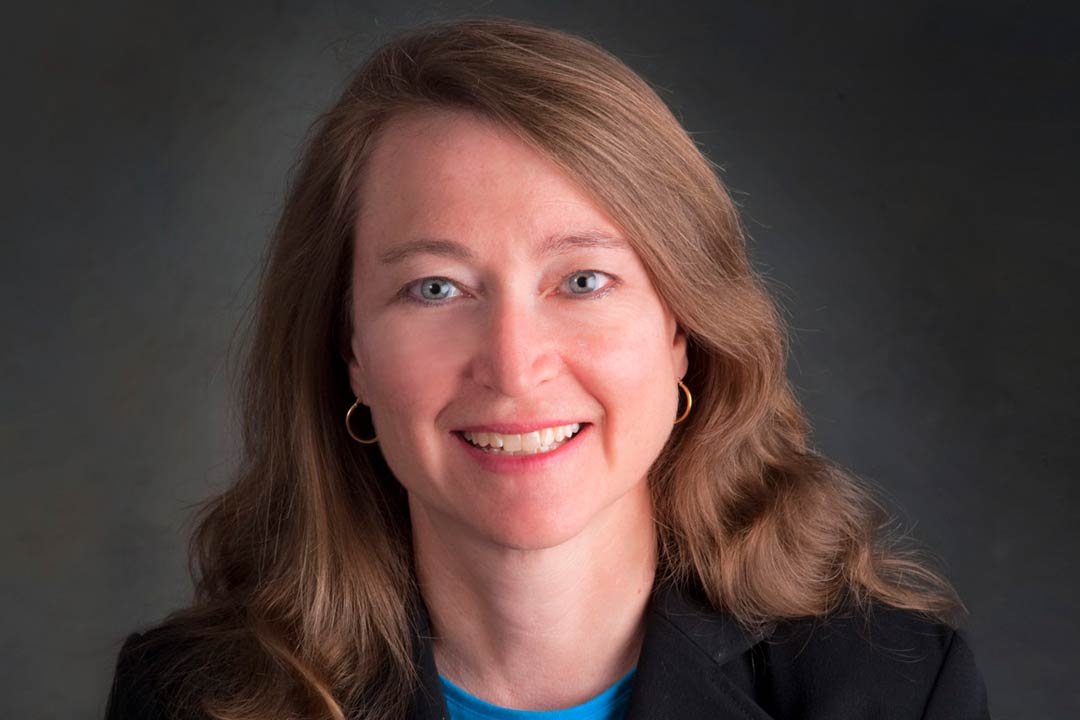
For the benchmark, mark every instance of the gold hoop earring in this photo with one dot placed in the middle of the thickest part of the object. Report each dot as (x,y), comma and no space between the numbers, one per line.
(348,426)
(689,402)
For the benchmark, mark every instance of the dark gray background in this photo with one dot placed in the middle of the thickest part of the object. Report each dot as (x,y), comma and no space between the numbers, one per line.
(908,175)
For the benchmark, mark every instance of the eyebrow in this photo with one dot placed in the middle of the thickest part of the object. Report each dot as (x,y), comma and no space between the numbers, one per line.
(552,246)
(556,245)
(425,246)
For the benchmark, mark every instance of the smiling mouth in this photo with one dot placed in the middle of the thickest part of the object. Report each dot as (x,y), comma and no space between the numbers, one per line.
(530,443)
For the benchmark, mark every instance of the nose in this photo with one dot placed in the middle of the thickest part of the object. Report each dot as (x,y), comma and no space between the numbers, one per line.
(517,348)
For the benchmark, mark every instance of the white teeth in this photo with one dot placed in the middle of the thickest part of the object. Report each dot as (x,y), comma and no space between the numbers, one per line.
(530,443)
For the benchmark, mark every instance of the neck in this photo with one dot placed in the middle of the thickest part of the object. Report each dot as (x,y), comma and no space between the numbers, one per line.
(539,629)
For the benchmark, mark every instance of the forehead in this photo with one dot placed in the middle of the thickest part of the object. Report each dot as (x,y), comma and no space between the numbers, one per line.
(455,172)
(429,146)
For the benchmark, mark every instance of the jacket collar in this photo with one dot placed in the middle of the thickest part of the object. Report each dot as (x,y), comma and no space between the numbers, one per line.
(679,673)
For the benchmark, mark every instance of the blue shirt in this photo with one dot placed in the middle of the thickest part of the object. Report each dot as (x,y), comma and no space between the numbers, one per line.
(608,705)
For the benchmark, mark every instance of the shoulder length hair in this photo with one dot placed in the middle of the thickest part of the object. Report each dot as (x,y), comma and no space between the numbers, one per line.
(303,568)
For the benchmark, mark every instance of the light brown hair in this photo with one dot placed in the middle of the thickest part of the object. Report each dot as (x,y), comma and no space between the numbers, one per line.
(303,567)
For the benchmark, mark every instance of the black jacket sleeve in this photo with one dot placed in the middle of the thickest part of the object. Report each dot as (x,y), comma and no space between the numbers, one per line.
(887,664)
(130,697)
(140,688)
(958,692)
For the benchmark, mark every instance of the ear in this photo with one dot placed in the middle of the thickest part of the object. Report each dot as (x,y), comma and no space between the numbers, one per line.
(356,375)
(678,352)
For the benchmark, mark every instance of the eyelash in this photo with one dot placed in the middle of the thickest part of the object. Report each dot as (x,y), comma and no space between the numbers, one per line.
(406,292)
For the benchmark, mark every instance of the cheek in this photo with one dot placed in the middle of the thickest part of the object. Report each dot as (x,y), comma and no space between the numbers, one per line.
(628,347)
(629,371)
(409,373)
(409,377)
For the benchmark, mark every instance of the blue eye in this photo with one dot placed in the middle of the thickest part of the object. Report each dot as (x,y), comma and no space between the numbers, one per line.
(584,282)
(433,289)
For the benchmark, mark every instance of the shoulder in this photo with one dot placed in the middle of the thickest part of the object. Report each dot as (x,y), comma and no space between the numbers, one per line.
(873,662)
(879,661)
(153,676)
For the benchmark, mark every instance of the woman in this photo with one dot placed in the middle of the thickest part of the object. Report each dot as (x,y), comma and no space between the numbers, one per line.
(518,436)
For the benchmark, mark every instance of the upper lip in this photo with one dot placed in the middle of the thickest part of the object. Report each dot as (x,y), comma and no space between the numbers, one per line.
(515,428)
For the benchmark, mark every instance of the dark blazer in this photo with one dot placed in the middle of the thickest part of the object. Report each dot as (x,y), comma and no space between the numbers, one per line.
(887,664)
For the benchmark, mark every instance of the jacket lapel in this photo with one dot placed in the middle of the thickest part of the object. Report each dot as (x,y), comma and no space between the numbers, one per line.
(429,703)
(679,676)
(680,671)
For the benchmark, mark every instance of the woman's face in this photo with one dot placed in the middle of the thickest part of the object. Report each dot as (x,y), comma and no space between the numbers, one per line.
(494,300)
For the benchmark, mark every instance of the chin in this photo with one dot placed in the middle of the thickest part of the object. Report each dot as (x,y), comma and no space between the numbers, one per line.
(539,530)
